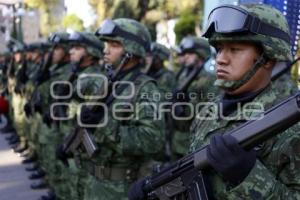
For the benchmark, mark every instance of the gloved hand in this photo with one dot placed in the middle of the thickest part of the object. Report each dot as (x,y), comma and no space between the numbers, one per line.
(135,191)
(229,159)
(89,116)
(61,155)
(27,109)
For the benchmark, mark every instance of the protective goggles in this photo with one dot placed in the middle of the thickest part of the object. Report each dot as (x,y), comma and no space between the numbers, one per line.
(232,19)
(188,44)
(111,29)
(54,38)
(76,37)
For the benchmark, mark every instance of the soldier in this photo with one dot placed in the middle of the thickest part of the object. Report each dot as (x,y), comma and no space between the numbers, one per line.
(196,51)
(39,98)
(155,59)
(124,144)
(245,58)
(85,51)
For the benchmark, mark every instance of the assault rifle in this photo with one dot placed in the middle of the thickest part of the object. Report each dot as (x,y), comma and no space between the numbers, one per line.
(182,88)
(43,72)
(80,136)
(62,90)
(191,77)
(184,177)
(21,76)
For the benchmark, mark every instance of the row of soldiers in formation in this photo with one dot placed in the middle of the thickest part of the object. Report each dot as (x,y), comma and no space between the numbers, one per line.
(30,72)
(53,88)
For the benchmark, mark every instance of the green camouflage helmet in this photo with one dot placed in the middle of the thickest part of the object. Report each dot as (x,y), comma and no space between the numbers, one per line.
(134,36)
(196,45)
(274,46)
(93,45)
(59,38)
(159,50)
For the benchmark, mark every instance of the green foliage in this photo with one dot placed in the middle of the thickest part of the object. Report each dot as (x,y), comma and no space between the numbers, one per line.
(185,26)
(47,22)
(122,9)
(73,22)
(34,3)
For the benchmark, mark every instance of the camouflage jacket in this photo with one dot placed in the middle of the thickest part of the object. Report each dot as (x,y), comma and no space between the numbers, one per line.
(202,89)
(165,79)
(127,143)
(285,86)
(276,174)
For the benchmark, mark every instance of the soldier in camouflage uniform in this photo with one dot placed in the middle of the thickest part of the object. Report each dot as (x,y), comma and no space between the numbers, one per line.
(85,85)
(244,62)
(39,101)
(17,98)
(156,58)
(196,52)
(124,144)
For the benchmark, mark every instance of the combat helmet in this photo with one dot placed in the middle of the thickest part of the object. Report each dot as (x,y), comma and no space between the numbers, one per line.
(159,50)
(196,45)
(93,45)
(259,23)
(134,36)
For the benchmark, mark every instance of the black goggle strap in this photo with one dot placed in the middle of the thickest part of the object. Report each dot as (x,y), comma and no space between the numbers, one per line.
(255,25)
(252,24)
(80,39)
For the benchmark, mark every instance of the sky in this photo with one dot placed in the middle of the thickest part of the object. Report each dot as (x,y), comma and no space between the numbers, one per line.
(82,9)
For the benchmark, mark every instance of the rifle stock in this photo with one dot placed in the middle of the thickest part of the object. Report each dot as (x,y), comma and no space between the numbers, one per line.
(250,134)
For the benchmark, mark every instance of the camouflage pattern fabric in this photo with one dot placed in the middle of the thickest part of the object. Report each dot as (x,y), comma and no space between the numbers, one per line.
(136,28)
(126,145)
(202,90)
(69,182)
(165,79)
(285,86)
(276,172)
(273,47)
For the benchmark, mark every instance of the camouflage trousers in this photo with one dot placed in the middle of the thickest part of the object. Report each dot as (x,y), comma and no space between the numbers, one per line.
(106,190)
(19,118)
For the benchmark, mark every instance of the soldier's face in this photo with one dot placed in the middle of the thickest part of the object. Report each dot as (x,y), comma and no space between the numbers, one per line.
(234,59)
(180,60)
(113,52)
(190,59)
(76,53)
(29,56)
(58,54)
(18,57)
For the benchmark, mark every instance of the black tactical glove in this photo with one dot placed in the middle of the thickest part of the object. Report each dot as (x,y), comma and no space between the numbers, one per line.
(229,159)
(135,191)
(61,155)
(27,110)
(89,116)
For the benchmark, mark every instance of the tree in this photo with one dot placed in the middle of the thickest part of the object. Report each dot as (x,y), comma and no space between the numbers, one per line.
(49,21)
(73,22)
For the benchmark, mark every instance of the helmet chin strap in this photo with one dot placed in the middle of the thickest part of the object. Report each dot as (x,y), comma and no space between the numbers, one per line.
(233,85)
(112,71)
